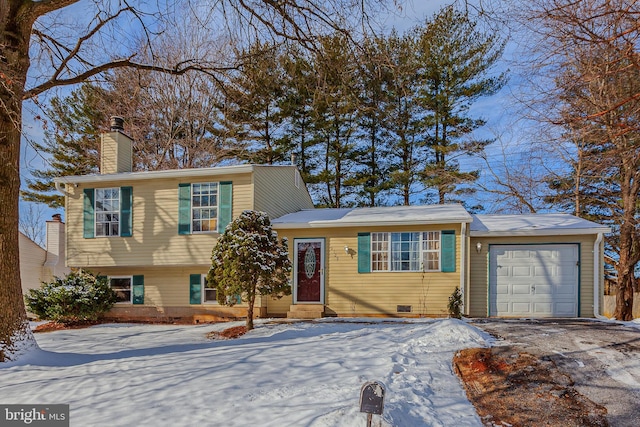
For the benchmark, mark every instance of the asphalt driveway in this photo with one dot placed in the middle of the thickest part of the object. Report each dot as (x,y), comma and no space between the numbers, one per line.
(602,358)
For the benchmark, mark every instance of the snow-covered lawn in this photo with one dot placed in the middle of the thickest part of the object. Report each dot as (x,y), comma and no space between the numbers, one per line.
(294,374)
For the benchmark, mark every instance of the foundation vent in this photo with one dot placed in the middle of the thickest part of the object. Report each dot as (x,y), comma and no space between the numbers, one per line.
(403,309)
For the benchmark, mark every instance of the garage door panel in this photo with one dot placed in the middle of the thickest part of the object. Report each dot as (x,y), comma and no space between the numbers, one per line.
(521,271)
(543,308)
(565,309)
(520,289)
(534,280)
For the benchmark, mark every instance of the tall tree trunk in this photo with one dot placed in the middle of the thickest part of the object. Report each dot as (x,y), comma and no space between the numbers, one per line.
(15,333)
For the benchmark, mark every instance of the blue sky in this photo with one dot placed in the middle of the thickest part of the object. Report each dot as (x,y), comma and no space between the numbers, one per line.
(496,109)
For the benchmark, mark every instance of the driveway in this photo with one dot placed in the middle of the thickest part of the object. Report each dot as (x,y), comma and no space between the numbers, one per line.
(602,358)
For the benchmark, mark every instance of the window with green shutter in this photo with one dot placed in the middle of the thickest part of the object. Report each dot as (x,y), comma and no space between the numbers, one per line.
(204,207)
(107,212)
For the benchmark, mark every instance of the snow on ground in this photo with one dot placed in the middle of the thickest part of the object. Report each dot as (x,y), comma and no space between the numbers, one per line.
(280,374)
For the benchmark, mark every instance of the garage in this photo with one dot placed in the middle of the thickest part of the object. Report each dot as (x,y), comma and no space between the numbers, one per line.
(534,280)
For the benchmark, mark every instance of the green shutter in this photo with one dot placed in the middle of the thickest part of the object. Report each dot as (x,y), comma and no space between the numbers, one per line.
(184,208)
(225,195)
(126,201)
(138,289)
(448,251)
(195,289)
(88,215)
(364,253)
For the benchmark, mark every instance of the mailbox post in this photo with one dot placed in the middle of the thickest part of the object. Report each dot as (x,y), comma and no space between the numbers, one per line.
(372,399)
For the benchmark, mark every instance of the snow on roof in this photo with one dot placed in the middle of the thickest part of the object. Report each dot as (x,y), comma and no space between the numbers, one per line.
(534,224)
(387,215)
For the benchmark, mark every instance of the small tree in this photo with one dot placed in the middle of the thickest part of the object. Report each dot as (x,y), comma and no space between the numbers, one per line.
(455,304)
(248,260)
(77,297)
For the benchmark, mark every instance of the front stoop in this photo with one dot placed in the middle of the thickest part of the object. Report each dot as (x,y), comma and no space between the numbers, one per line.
(306,311)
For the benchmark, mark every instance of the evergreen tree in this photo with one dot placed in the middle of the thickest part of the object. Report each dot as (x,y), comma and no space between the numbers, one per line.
(253,115)
(455,61)
(297,107)
(72,145)
(335,119)
(248,260)
(402,114)
(371,179)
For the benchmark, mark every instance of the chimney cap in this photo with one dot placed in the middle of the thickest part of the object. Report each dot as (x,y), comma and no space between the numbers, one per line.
(117,123)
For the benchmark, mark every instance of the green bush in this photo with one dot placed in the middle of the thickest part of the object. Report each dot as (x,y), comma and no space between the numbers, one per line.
(77,297)
(455,304)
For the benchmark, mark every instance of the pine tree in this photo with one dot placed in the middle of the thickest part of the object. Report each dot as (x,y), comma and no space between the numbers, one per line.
(73,144)
(248,260)
(252,108)
(455,59)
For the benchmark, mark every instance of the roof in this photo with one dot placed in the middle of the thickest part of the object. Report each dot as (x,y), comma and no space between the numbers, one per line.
(171,173)
(387,215)
(533,225)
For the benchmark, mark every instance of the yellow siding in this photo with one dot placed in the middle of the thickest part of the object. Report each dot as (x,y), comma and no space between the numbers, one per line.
(276,192)
(349,293)
(163,287)
(155,239)
(478,288)
(32,258)
(116,153)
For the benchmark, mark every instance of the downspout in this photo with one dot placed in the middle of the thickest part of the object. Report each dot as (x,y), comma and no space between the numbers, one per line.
(463,264)
(596,278)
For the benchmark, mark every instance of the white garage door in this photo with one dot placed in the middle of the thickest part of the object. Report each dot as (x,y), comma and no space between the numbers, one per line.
(533,280)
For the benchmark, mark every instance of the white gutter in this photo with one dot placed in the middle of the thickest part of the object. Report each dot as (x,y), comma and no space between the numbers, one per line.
(161,174)
(463,264)
(596,278)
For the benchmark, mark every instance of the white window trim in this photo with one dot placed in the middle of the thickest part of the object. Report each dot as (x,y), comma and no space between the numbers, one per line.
(217,206)
(130,287)
(95,213)
(421,250)
(425,251)
(203,280)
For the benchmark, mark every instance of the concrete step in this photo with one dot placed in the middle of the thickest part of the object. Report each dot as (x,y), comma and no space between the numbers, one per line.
(305,311)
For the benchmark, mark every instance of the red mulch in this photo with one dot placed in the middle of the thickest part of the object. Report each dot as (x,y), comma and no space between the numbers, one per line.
(55,326)
(229,333)
(509,387)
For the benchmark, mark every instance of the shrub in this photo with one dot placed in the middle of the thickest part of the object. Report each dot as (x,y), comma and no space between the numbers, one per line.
(455,304)
(77,297)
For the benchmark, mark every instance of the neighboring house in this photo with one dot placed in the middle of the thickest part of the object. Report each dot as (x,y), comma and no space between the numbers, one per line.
(39,265)
(152,234)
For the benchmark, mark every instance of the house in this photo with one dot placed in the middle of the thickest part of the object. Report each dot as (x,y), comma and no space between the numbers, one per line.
(39,265)
(151,234)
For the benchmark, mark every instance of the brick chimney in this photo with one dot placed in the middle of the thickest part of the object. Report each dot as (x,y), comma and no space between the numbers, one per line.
(116,149)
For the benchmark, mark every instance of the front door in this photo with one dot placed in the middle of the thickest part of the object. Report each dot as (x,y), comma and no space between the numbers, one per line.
(309,271)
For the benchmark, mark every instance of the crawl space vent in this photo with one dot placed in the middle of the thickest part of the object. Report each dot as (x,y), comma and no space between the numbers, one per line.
(404,309)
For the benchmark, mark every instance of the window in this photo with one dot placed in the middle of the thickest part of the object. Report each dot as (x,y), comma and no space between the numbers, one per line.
(107,211)
(209,295)
(431,251)
(204,207)
(379,251)
(412,251)
(122,287)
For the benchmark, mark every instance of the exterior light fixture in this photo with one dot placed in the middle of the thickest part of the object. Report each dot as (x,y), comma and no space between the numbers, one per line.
(479,247)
